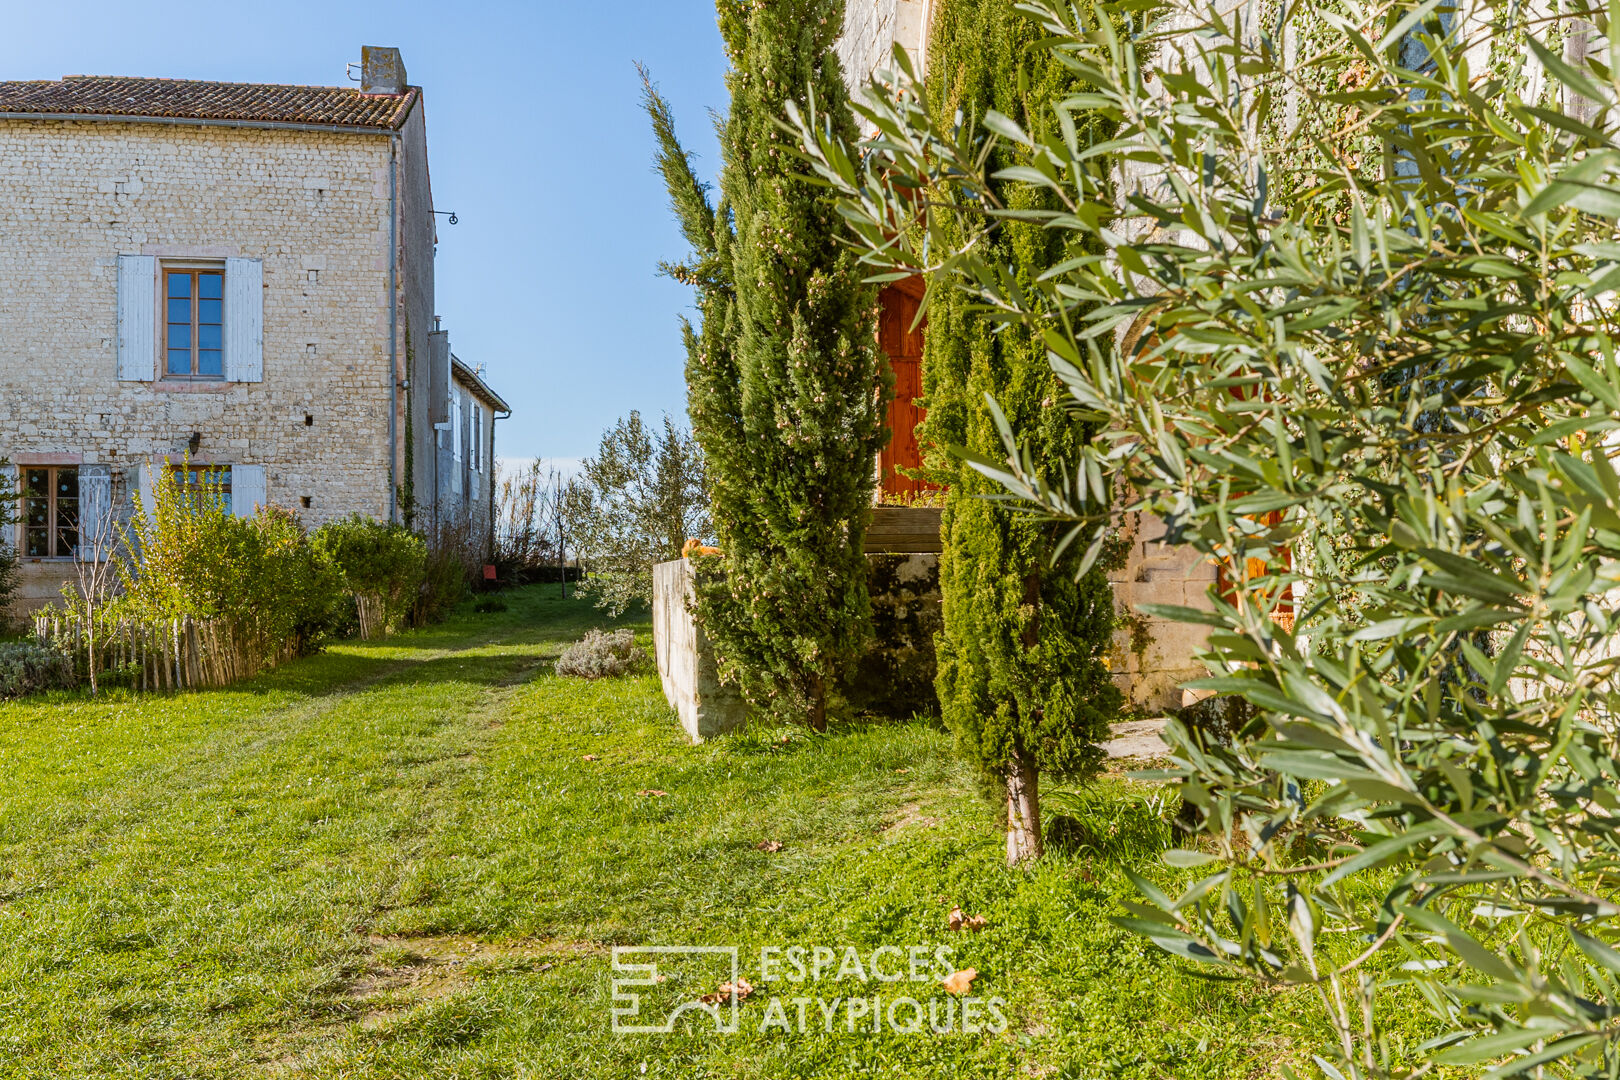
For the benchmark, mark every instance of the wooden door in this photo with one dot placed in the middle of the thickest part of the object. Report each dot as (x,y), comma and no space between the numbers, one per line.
(903,344)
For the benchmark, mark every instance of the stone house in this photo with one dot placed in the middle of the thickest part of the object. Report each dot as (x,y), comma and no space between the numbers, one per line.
(464,461)
(237,275)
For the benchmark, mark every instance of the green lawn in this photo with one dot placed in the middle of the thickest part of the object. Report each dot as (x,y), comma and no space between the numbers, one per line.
(393,860)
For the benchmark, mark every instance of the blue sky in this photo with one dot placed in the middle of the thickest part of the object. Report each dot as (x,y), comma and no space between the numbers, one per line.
(536,139)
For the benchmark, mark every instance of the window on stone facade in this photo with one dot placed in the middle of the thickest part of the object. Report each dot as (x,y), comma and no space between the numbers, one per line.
(196,478)
(194,322)
(50,511)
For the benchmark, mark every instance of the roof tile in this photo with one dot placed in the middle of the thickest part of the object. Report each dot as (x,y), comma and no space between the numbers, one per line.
(100,95)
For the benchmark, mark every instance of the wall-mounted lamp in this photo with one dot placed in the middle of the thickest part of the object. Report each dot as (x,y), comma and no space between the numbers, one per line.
(194,442)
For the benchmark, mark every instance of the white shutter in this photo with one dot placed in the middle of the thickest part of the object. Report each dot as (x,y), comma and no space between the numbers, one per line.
(137,318)
(95,511)
(15,475)
(148,491)
(455,423)
(244,320)
(247,489)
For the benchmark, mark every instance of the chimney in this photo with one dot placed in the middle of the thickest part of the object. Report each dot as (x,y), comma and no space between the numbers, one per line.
(382,70)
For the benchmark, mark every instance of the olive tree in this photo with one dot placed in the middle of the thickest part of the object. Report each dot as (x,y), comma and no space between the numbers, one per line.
(636,502)
(1346,320)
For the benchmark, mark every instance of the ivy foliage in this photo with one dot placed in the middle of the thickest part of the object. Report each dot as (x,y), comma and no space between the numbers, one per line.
(1022,668)
(785,386)
(9,516)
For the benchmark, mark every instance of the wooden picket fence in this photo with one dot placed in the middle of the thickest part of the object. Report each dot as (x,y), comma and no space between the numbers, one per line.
(183,653)
(373,615)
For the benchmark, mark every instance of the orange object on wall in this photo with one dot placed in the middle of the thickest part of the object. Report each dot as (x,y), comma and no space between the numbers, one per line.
(903,344)
(1282,609)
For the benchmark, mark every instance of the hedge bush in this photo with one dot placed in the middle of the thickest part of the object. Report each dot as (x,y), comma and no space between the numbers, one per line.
(197,558)
(385,561)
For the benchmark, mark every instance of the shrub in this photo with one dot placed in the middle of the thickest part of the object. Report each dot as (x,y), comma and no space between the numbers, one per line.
(384,563)
(601,655)
(529,514)
(451,561)
(26,668)
(196,558)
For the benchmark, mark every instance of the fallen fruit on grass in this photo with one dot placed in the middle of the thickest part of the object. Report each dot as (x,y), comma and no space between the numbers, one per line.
(769,845)
(739,990)
(959,922)
(588,757)
(961,982)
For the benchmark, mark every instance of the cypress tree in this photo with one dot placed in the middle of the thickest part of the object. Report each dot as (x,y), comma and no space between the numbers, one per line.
(785,385)
(1023,679)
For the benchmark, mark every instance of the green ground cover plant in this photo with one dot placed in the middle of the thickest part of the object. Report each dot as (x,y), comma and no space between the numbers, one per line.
(27,668)
(412,857)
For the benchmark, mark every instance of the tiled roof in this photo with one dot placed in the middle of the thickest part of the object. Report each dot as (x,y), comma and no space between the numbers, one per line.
(475,382)
(101,95)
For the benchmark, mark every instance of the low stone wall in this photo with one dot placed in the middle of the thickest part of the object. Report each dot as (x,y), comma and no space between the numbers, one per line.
(685,660)
(895,677)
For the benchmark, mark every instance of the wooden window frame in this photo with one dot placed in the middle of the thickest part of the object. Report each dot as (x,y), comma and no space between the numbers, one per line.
(188,477)
(54,526)
(194,270)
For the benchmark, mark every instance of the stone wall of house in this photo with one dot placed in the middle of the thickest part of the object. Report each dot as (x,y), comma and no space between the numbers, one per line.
(871,30)
(312,205)
(418,239)
(1152,657)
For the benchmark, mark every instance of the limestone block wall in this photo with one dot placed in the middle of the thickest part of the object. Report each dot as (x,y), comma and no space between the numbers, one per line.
(418,235)
(313,206)
(1151,657)
(685,660)
(871,30)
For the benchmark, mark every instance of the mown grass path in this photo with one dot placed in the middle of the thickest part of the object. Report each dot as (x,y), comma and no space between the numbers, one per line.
(395,860)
